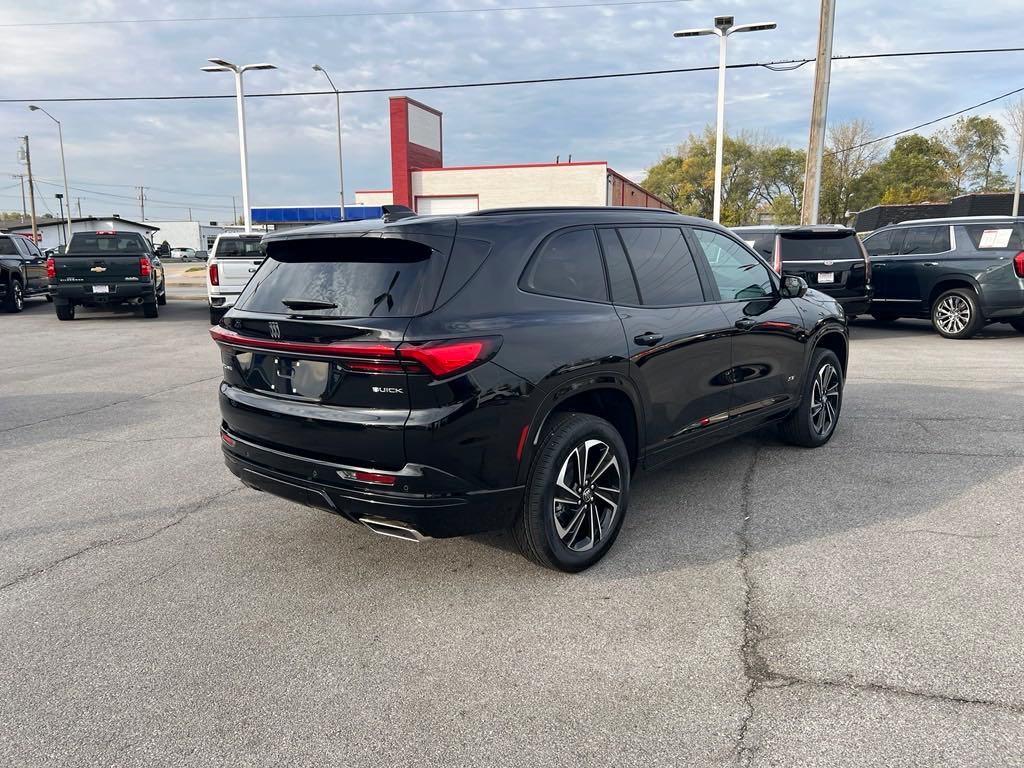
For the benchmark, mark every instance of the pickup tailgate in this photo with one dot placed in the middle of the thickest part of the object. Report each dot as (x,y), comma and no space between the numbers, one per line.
(93,268)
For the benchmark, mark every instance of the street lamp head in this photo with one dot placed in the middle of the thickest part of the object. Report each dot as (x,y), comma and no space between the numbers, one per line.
(694,32)
(317,68)
(724,22)
(263,65)
(759,26)
(222,63)
(33,107)
(216,69)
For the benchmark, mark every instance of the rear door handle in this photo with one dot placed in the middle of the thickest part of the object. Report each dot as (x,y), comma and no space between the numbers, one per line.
(745,323)
(931,263)
(648,339)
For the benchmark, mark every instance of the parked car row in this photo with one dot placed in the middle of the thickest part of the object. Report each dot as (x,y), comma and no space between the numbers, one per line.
(960,273)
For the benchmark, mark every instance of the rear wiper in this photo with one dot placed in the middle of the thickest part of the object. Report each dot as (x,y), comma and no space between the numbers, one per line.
(308,304)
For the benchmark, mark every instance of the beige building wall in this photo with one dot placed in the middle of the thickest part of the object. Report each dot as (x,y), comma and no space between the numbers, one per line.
(503,187)
(374,197)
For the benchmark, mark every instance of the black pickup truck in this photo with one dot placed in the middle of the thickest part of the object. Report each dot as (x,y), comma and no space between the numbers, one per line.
(108,269)
(22,272)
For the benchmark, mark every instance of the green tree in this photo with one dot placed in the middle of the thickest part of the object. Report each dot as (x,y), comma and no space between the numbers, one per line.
(915,171)
(976,147)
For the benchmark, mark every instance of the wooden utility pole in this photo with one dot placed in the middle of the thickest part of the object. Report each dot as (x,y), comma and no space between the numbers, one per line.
(819,114)
(24,202)
(78,200)
(31,190)
(142,202)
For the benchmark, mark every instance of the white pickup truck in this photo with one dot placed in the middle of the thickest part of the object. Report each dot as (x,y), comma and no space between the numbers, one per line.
(235,257)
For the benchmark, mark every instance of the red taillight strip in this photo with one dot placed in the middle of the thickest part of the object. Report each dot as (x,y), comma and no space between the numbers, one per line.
(1018,264)
(331,349)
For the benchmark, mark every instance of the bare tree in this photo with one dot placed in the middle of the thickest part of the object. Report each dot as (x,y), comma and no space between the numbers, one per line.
(848,157)
(1015,116)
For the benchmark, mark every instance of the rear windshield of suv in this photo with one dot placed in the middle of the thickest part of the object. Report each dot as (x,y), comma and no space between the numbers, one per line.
(361,276)
(126,243)
(7,247)
(237,247)
(819,246)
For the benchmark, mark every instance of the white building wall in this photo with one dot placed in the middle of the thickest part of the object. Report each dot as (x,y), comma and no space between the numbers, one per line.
(374,197)
(186,234)
(498,187)
(52,231)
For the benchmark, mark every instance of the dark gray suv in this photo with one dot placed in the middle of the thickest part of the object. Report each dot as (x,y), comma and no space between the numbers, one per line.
(960,272)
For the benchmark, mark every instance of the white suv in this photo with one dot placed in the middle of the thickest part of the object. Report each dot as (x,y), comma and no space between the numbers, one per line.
(234,259)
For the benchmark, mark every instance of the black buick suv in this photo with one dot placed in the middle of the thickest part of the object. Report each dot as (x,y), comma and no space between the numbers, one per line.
(512,369)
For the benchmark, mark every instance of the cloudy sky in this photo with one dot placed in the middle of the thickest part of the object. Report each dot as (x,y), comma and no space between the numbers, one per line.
(186,151)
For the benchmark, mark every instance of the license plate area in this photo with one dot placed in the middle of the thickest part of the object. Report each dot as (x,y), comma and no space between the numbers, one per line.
(101,289)
(826,277)
(283,375)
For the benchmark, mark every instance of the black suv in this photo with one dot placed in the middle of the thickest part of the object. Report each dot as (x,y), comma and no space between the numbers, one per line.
(440,376)
(22,272)
(828,256)
(960,273)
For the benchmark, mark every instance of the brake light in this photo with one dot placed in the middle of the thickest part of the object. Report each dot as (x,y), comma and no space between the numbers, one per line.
(214,275)
(51,269)
(439,358)
(106,231)
(1018,264)
(777,255)
(145,267)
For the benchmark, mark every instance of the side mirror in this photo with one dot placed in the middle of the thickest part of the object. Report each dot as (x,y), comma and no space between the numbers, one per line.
(792,287)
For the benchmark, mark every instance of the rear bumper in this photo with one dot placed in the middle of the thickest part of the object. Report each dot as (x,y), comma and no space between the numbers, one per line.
(119,292)
(223,300)
(430,502)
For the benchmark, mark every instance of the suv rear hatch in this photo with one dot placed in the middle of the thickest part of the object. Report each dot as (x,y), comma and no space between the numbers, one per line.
(832,262)
(311,350)
(237,260)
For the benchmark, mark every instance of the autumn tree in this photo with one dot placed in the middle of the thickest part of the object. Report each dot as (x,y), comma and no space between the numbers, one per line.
(976,146)
(848,182)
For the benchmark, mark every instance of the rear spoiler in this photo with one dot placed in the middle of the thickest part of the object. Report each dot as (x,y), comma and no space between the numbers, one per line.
(396,212)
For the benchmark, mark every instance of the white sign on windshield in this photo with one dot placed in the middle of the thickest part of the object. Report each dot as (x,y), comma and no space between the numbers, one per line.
(995,238)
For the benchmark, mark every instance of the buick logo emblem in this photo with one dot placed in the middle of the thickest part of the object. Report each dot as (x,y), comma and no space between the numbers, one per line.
(275,329)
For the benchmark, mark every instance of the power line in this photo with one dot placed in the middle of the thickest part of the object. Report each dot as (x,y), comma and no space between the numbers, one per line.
(929,122)
(348,15)
(528,81)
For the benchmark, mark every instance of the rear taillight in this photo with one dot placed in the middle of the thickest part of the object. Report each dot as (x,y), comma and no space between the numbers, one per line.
(145,267)
(1018,264)
(777,255)
(214,275)
(438,358)
(51,269)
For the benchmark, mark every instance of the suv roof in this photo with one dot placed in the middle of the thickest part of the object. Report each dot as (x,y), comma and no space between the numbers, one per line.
(782,228)
(959,220)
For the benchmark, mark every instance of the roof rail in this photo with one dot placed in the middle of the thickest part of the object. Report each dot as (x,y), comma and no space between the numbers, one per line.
(951,219)
(571,209)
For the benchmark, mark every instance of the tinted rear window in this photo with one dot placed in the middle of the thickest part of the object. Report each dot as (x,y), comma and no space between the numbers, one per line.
(996,236)
(239,247)
(118,243)
(819,247)
(363,276)
(7,247)
(568,265)
(663,265)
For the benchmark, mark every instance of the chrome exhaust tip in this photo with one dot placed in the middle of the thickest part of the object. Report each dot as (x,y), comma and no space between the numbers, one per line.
(393,529)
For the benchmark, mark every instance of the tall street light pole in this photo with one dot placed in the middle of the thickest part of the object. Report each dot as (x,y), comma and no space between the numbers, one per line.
(337,106)
(63,166)
(724,26)
(220,65)
(819,114)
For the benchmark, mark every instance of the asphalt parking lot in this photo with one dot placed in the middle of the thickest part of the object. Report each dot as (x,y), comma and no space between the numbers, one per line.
(858,605)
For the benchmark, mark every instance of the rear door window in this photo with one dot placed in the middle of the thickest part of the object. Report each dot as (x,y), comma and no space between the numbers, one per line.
(664,267)
(987,237)
(620,274)
(7,247)
(925,240)
(352,277)
(568,265)
(762,242)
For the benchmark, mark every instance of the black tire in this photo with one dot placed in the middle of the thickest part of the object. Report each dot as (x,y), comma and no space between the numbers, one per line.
(161,300)
(216,315)
(1017,325)
(149,309)
(15,301)
(588,510)
(956,314)
(884,317)
(49,298)
(809,426)
(65,311)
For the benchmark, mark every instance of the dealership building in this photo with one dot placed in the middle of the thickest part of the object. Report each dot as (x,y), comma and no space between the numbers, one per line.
(421,181)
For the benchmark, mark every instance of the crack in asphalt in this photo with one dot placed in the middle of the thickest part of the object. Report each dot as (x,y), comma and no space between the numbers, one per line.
(108,405)
(117,541)
(954,534)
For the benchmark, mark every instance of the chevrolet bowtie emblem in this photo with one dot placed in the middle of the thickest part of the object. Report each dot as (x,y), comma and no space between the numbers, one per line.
(98,269)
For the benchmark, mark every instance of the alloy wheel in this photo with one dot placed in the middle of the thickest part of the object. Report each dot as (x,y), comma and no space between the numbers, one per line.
(825,399)
(587,493)
(953,314)
(18,296)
